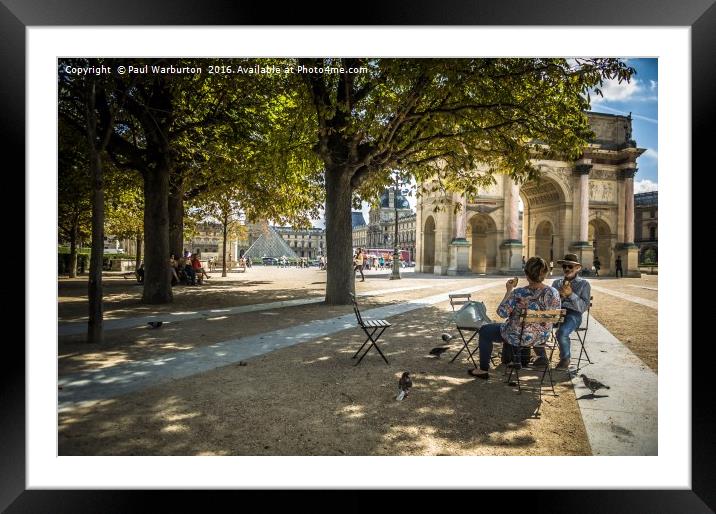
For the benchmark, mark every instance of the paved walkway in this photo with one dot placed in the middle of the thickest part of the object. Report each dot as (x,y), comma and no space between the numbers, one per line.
(624,296)
(80,327)
(621,420)
(135,376)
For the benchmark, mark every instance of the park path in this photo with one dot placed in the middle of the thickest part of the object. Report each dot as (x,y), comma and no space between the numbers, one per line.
(134,376)
(80,327)
(621,420)
(618,421)
(625,296)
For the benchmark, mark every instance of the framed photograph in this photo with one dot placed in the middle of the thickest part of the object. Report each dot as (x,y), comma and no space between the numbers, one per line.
(666,468)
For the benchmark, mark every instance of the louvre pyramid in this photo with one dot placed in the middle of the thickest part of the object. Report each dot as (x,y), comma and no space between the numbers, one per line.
(270,244)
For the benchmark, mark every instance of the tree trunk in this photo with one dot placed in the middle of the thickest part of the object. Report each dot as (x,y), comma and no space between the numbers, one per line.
(226,226)
(157,278)
(94,325)
(73,250)
(176,216)
(340,279)
(138,257)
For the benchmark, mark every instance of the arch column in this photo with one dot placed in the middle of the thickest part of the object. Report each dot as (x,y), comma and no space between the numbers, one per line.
(511,247)
(459,247)
(582,247)
(627,249)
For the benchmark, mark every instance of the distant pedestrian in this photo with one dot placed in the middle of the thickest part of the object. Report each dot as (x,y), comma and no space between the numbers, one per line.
(358,264)
(523,263)
(321,262)
(618,266)
(597,266)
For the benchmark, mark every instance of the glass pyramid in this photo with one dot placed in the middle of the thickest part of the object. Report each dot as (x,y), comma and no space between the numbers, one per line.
(270,244)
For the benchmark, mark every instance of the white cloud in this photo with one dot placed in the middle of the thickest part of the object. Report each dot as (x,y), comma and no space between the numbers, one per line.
(645,186)
(613,91)
(653,85)
(651,154)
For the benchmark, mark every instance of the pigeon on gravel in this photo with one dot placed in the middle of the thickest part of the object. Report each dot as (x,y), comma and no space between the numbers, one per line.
(155,324)
(404,385)
(592,384)
(438,351)
(446,337)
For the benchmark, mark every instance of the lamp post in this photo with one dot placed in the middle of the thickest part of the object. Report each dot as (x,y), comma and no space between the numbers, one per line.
(396,254)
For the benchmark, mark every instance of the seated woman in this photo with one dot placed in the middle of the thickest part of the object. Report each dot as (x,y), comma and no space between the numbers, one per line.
(535,296)
(173,269)
(198,269)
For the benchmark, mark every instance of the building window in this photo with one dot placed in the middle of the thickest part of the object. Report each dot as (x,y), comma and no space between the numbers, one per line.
(652,233)
(652,214)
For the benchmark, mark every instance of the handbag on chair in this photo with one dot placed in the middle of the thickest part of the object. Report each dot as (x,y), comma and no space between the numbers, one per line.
(472,314)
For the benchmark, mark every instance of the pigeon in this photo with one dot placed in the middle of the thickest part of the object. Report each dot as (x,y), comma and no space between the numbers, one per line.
(593,385)
(404,385)
(438,351)
(447,337)
(155,324)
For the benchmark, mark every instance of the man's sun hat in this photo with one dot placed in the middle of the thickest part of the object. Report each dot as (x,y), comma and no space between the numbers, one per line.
(570,258)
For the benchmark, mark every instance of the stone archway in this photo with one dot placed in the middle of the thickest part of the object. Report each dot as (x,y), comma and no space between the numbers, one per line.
(429,245)
(544,240)
(545,224)
(600,235)
(482,236)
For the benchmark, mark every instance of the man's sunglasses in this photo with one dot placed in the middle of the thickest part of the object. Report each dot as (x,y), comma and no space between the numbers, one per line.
(567,266)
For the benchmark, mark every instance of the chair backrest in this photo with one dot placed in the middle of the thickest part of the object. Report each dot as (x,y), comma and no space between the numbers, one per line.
(359,318)
(459,299)
(586,326)
(553,316)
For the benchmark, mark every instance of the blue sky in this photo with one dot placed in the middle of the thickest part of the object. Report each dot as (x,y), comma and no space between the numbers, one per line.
(638,96)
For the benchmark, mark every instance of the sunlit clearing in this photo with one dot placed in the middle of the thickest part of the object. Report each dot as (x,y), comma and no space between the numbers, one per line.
(353,411)
(175,429)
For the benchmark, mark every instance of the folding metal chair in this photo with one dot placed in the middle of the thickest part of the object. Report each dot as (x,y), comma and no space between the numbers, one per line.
(537,316)
(582,337)
(370,327)
(463,299)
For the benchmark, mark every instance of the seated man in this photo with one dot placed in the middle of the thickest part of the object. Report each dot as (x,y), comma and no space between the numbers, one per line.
(140,273)
(575,293)
(185,266)
(535,296)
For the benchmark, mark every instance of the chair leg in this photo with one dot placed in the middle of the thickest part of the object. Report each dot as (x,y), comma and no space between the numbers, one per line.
(373,342)
(464,345)
(364,343)
(583,349)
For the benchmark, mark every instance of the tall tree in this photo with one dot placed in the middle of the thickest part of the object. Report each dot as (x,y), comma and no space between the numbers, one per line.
(439,117)
(125,208)
(74,206)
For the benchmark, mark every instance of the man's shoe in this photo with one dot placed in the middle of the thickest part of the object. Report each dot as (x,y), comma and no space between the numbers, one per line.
(540,361)
(563,364)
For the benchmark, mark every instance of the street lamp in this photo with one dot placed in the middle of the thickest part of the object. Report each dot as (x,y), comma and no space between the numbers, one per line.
(395,275)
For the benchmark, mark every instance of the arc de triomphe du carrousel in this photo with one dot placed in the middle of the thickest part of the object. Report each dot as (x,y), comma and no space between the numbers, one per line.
(584,207)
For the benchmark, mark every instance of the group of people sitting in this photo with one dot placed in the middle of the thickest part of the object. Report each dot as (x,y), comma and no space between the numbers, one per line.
(571,293)
(187,269)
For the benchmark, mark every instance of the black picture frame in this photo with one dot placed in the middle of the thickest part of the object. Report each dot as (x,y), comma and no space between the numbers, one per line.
(17,15)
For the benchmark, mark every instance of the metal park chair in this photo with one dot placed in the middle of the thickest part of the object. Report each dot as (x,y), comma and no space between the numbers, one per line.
(542,317)
(582,337)
(463,299)
(373,330)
